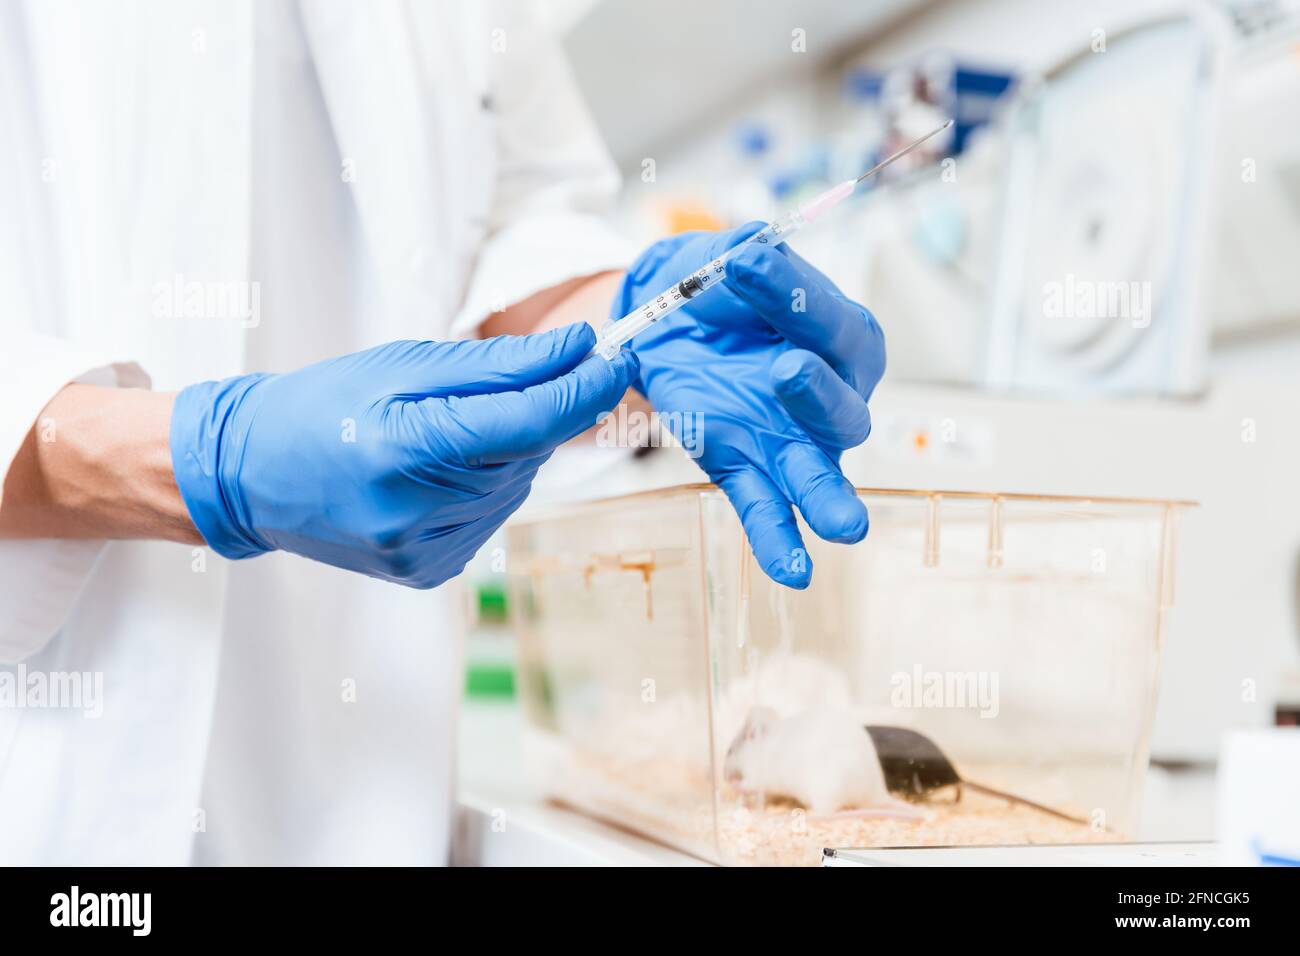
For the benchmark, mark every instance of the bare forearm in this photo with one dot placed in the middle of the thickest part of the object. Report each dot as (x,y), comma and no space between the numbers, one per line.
(585,299)
(97,464)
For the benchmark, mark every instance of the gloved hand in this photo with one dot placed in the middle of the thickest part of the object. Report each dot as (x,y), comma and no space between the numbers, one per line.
(781,366)
(397,462)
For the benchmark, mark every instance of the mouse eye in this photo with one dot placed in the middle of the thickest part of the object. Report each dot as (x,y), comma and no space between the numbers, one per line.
(757,727)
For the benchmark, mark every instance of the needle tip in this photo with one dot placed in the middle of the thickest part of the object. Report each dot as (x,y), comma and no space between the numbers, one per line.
(902,152)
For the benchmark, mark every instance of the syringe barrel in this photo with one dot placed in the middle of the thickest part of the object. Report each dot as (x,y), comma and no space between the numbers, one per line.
(615,334)
(619,332)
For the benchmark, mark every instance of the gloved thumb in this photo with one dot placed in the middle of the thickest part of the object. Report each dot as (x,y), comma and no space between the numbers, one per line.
(727,238)
(513,425)
(501,363)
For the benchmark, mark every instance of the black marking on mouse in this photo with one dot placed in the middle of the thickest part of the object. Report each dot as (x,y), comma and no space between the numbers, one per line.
(914,766)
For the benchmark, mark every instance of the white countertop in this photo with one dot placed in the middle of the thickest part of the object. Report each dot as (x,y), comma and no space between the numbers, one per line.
(503,821)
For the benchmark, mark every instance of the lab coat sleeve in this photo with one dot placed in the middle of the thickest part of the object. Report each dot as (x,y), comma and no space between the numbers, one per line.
(40,580)
(554,187)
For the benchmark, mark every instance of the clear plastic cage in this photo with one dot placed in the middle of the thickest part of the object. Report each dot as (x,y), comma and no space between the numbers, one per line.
(980,670)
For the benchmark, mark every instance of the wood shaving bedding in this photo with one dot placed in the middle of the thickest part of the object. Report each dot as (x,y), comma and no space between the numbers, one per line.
(673,804)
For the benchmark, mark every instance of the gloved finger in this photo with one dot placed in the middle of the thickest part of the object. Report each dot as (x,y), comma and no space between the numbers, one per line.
(683,255)
(456,546)
(482,366)
(727,238)
(508,426)
(832,413)
(471,487)
(808,311)
(769,525)
(825,498)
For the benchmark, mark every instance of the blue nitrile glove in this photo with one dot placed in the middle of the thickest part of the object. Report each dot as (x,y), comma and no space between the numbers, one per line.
(779,365)
(397,462)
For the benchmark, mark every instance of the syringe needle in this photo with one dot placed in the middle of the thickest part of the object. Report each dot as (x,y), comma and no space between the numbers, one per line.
(901,153)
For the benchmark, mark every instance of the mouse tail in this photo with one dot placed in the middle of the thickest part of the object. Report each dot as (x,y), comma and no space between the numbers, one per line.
(1003,795)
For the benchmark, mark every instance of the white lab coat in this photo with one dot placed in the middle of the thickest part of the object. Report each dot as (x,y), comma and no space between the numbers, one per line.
(380,170)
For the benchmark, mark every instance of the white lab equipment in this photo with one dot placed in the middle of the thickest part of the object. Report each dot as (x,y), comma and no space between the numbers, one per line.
(1102,279)
(1258,796)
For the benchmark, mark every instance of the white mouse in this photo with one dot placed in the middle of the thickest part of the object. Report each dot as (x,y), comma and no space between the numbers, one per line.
(822,757)
(787,683)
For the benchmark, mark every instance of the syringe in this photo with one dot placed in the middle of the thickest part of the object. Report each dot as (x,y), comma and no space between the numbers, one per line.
(618,332)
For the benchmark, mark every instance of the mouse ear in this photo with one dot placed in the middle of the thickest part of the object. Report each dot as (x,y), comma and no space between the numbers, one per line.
(759,722)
